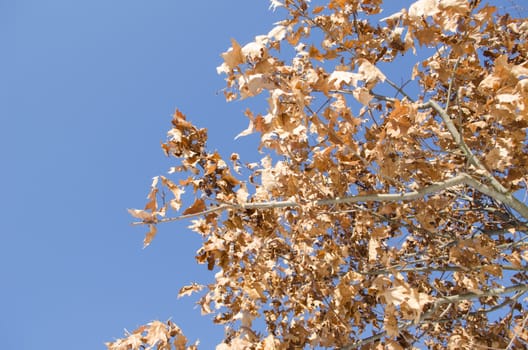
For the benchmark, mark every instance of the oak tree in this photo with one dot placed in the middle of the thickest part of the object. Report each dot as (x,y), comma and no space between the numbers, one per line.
(383,214)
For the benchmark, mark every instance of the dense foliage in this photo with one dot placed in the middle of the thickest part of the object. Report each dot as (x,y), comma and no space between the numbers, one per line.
(382,215)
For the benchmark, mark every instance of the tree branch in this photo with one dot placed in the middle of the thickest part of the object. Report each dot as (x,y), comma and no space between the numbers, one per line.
(498,191)
(485,293)
(375,197)
(520,288)
(461,179)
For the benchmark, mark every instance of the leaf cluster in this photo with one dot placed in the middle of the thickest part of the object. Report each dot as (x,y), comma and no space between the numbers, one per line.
(380,215)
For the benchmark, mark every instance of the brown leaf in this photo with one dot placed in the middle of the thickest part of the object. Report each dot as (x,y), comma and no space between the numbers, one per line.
(150,235)
(317,9)
(197,207)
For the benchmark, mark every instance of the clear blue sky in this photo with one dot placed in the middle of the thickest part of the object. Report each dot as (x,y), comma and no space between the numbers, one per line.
(86,95)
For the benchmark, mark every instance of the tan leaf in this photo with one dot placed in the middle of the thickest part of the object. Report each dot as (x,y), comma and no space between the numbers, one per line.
(150,235)
(490,83)
(508,98)
(157,333)
(477,126)
(232,58)
(143,215)
(423,8)
(394,345)
(515,259)
(362,95)
(373,246)
(369,72)
(253,85)
(270,343)
(180,342)
(188,290)
(390,323)
(338,78)
(255,49)
(278,32)
(197,207)
(242,194)
(498,158)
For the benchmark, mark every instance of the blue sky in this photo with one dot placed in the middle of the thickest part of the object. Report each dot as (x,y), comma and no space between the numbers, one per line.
(88,89)
(87,93)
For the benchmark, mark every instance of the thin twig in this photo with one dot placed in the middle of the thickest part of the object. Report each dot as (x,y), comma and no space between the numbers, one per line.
(521,288)
(497,190)
(375,197)
(451,83)
(485,293)
(461,179)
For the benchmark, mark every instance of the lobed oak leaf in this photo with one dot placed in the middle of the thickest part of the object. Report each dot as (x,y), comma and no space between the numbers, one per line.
(253,85)
(475,126)
(177,192)
(362,95)
(338,78)
(423,8)
(229,178)
(369,72)
(188,290)
(395,295)
(498,158)
(489,83)
(232,58)
(255,49)
(314,53)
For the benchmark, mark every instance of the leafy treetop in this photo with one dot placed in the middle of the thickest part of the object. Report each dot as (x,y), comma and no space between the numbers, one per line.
(381,216)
